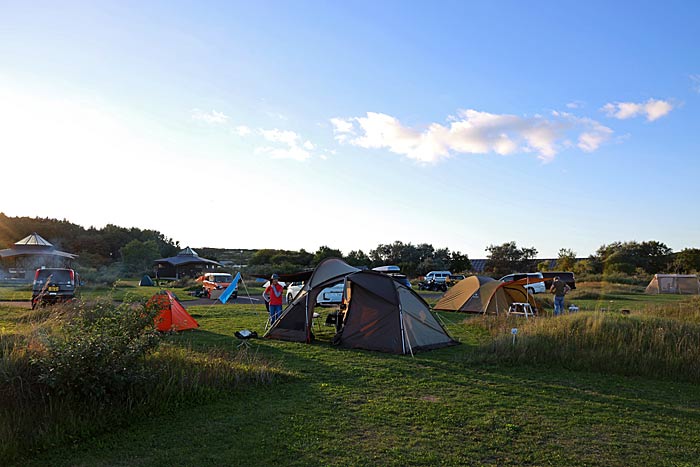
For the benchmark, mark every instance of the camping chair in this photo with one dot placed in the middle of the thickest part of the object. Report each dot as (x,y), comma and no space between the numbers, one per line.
(244,336)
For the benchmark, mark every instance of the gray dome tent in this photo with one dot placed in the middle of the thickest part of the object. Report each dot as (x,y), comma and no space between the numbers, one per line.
(385,315)
(380,313)
(295,323)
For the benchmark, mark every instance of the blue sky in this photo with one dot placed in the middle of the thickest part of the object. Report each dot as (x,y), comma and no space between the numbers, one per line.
(348,124)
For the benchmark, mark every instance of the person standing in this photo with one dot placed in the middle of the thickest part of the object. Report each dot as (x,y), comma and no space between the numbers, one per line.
(559,288)
(273,297)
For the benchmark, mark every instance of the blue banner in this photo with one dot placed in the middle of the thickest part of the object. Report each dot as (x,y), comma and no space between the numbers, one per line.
(223,298)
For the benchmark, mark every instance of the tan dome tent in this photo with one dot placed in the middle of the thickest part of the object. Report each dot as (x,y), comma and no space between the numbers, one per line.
(295,322)
(674,283)
(384,315)
(481,294)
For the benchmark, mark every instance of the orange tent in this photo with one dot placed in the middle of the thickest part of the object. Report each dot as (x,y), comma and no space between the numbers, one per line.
(172,315)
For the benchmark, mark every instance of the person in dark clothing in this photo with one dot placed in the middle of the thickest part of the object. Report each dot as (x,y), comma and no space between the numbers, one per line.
(559,288)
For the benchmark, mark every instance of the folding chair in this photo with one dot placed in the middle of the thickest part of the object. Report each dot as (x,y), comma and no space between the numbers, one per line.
(245,336)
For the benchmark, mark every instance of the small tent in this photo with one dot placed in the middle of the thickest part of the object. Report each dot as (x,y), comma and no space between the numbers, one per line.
(481,294)
(674,283)
(146,281)
(295,322)
(384,315)
(172,316)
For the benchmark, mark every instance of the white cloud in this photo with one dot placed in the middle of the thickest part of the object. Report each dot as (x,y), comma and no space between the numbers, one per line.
(472,132)
(342,125)
(343,129)
(280,136)
(575,104)
(695,79)
(292,152)
(242,130)
(212,117)
(291,149)
(653,109)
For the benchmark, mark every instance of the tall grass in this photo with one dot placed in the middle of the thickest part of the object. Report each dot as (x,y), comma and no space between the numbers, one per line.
(57,386)
(663,343)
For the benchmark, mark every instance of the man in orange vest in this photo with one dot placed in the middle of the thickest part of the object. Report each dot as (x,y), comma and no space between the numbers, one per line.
(273,295)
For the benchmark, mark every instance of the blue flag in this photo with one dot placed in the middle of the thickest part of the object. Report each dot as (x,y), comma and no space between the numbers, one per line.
(223,298)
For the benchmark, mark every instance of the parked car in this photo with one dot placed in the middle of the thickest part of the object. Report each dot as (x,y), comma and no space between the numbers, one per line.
(433,286)
(331,295)
(454,278)
(293,289)
(217,281)
(53,285)
(535,287)
(437,276)
(395,273)
(401,279)
(567,277)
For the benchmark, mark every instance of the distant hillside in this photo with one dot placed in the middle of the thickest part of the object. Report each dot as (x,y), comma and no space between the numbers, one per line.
(226,256)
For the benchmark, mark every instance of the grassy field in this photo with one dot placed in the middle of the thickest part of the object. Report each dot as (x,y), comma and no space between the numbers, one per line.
(122,290)
(463,405)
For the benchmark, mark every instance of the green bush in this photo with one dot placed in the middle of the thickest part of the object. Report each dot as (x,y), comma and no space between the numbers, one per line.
(79,369)
(98,350)
(615,278)
(103,275)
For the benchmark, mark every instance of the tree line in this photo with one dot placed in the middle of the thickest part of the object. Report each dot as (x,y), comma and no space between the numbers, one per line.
(133,250)
(414,260)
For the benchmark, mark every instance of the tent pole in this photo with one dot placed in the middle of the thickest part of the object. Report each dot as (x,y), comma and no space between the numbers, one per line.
(308,329)
(246,290)
(404,336)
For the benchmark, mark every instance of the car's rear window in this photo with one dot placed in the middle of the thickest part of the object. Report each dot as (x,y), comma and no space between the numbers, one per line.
(58,276)
(226,278)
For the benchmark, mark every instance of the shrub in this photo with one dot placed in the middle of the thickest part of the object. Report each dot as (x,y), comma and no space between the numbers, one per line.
(80,369)
(103,275)
(97,351)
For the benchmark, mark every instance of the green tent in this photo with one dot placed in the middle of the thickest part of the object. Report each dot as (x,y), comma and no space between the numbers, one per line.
(146,281)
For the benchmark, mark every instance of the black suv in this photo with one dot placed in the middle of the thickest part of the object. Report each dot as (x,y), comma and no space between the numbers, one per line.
(53,285)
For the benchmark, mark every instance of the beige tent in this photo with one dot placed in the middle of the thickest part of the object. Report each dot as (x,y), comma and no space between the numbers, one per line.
(481,294)
(674,283)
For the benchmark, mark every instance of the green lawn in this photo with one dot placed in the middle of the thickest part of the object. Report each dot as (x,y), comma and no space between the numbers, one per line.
(122,290)
(344,407)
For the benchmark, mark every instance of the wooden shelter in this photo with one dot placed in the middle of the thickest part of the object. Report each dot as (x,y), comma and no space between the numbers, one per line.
(30,253)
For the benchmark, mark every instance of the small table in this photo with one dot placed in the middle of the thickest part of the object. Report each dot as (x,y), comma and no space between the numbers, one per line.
(523,309)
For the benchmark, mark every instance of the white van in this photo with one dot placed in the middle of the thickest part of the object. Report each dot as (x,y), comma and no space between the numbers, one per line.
(535,287)
(438,276)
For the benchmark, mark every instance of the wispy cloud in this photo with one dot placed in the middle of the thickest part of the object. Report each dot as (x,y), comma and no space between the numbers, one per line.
(289,145)
(286,144)
(695,82)
(472,132)
(652,109)
(242,130)
(212,117)
(575,105)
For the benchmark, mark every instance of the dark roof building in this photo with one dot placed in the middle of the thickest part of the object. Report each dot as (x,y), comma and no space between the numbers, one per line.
(187,263)
(30,253)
